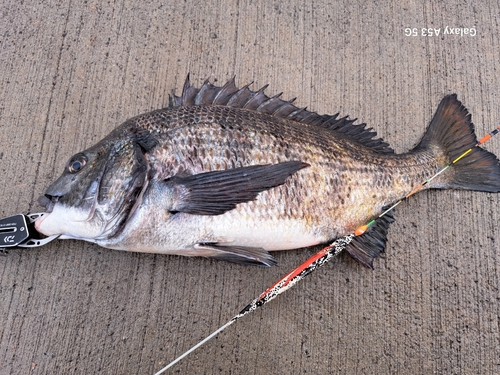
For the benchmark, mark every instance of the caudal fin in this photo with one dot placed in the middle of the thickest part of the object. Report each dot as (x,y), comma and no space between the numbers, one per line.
(451,132)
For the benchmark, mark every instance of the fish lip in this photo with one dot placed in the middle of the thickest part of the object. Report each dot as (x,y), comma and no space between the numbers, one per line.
(48,201)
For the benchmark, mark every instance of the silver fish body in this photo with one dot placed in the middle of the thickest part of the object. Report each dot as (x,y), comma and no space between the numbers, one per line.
(231,173)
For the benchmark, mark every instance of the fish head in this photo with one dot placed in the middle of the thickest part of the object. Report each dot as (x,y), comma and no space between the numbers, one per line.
(97,191)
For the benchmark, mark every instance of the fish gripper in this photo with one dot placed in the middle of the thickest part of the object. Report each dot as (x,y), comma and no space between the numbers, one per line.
(19,231)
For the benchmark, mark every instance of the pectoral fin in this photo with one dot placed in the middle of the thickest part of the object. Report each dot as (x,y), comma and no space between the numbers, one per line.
(216,192)
(248,256)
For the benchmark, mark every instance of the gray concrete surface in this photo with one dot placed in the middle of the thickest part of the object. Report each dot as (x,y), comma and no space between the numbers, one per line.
(71,71)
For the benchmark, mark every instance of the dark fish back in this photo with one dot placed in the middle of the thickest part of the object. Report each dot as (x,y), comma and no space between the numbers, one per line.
(231,96)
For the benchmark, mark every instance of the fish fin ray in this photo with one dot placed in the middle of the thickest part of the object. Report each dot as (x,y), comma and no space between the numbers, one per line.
(256,99)
(451,131)
(216,192)
(247,256)
(205,93)
(188,93)
(225,92)
(240,97)
(229,95)
(371,244)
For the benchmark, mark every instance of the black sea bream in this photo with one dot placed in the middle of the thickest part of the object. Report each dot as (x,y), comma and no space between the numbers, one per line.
(232,174)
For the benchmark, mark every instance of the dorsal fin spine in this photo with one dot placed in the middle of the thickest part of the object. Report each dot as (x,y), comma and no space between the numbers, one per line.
(267,106)
(226,92)
(255,98)
(234,99)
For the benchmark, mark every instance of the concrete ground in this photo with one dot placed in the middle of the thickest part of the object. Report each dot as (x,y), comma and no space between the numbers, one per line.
(71,71)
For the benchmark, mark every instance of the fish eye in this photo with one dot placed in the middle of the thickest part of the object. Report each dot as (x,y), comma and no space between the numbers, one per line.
(76,163)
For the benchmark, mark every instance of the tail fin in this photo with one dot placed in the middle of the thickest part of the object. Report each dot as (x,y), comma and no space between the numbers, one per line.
(452,133)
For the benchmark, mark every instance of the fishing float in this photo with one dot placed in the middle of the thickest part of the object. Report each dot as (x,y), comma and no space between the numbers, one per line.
(320,258)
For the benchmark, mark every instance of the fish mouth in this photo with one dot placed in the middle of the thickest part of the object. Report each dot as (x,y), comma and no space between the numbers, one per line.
(48,201)
(110,226)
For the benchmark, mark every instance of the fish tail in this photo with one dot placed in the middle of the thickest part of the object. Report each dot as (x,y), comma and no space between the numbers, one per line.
(451,134)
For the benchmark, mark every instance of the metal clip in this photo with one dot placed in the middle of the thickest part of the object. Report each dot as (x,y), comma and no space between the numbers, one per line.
(19,231)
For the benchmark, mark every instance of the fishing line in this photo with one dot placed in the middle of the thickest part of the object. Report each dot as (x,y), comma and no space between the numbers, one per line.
(362,229)
(320,258)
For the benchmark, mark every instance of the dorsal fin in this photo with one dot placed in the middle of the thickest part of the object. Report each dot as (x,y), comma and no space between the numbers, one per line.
(230,95)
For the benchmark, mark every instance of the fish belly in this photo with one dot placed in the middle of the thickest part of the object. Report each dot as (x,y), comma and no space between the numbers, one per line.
(156,231)
(271,235)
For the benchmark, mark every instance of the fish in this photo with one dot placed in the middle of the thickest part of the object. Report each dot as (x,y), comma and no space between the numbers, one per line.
(232,174)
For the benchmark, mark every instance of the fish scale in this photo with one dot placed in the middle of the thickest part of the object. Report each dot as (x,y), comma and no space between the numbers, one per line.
(231,173)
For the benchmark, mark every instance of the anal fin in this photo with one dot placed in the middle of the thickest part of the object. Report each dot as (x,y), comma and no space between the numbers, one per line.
(371,244)
(248,256)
